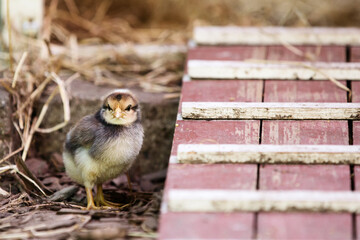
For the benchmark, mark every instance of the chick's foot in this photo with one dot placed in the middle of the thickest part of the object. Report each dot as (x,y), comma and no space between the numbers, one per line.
(90,200)
(102,202)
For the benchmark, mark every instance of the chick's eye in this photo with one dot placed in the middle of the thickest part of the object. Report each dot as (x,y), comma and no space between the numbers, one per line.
(128,108)
(107,107)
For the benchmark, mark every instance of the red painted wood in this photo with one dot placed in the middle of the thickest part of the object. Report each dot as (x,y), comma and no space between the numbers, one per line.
(206,226)
(233,53)
(226,53)
(222,91)
(303,91)
(212,176)
(355,54)
(304,226)
(300,177)
(222,131)
(321,53)
(355,87)
(310,177)
(305,132)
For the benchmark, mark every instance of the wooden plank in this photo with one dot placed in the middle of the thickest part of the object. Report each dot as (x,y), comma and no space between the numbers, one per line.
(227,53)
(235,153)
(234,53)
(270,110)
(305,91)
(199,200)
(222,91)
(206,226)
(355,87)
(304,177)
(276,35)
(309,226)
(354,54)
(202,132)
(206,176)
(210,69)
(300,177)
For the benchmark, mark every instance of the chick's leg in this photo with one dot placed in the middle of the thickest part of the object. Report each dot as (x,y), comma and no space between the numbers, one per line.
(90,199)
(101,201)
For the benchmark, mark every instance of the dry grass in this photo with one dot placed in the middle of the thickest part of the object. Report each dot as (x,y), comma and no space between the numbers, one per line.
(147,21)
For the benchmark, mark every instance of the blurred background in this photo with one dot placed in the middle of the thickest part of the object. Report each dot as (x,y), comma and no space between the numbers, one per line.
(171,21)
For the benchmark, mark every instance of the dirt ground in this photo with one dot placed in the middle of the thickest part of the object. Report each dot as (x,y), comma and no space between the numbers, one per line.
(61,215)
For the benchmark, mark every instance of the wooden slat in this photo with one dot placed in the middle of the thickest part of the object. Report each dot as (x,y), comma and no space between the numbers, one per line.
(199,200)
(232,153)
(304,177)
(206,132)
(222,91)
(212,176)
(276,35)
(307,226)
(206,226)
(249,110)
(226,53)
(355,87)
(273,70)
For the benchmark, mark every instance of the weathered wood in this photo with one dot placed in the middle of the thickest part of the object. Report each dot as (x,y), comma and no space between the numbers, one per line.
(199,200)
(227,132)
(304,91)
(355,54)
(305,226)
(273,70)
(232,153)
(304,177)
(212,176)
(276,35)
(226,53)
(266,110)
(234,53)
(222,91)
(206,226)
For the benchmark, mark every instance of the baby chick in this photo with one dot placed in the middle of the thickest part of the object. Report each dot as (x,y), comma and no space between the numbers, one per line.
(102,146)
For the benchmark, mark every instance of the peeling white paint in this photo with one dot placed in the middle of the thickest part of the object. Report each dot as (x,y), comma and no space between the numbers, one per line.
(270,110)
(212,69)
(276,35)
(267,153)
(199,200)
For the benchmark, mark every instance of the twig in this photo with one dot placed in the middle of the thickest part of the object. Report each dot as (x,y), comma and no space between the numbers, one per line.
(8,20)
(28,140)
(18,68)
(11,154)
(4,193)
(73,9)
(142,235)
(66,106)
(14,169)
(34,94)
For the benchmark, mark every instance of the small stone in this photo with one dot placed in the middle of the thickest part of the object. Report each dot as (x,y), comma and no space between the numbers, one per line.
(64,194)
(37,166)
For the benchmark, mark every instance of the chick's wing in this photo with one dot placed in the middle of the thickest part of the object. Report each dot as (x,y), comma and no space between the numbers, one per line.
(82,135)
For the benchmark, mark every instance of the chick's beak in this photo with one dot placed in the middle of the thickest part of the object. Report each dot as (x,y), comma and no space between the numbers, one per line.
(118,113)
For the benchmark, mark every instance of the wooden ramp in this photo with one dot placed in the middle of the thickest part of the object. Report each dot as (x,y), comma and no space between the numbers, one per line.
(297,184)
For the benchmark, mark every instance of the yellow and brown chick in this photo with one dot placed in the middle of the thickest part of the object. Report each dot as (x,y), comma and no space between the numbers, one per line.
(104,145)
